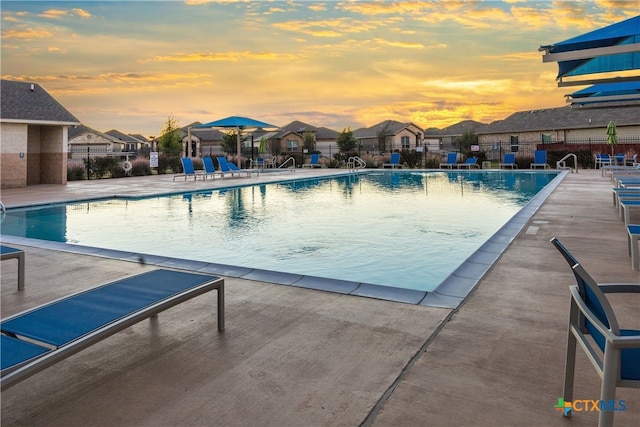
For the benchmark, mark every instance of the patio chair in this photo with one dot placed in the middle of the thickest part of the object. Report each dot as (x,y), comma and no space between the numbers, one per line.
(209,168)
(509,161)
(602,160)
(452,160)
(471,162)
(7,252)
(616,352)
(540,159)
(40,337)
(227,167)
(393,162)
(188,170)
(314,163)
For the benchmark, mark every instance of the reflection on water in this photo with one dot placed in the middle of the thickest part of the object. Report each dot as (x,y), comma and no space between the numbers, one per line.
(400,228)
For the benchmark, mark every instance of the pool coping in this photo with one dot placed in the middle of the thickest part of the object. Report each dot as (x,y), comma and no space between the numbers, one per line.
(449,294)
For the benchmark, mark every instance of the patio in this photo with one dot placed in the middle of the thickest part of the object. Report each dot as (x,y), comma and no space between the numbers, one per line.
(298,357)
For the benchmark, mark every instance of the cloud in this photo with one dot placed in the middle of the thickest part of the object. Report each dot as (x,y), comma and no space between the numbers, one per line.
(404,45)
(330,27)
(53,14)
(26,33)
(227,57)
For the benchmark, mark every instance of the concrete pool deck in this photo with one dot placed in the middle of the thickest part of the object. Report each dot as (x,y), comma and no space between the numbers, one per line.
(300,357)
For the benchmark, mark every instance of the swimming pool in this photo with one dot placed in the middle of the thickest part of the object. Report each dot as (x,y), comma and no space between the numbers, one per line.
(400,229)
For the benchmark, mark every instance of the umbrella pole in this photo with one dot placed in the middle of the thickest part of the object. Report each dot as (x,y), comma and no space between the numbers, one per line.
(238,146)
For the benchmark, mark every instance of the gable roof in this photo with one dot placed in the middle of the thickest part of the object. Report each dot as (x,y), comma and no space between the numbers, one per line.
(300,127)
(30,103)
(75,131)
(463,127)
(122,136)
(388,127)
(563,118)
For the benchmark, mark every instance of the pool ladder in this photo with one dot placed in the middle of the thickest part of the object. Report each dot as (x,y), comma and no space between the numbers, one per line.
(562,163)
(355,163)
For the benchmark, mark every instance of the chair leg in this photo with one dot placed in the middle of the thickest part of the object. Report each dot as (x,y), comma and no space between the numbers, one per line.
(610,374)
(570,361)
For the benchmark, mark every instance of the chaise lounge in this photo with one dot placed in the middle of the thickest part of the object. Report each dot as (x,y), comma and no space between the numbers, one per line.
(38,338)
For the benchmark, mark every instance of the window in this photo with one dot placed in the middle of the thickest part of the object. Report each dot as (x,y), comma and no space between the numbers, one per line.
(546,138)
(514,144)
(405,142)
(292,145)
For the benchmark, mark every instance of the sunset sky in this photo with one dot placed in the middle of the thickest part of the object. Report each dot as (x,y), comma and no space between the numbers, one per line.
(130,65)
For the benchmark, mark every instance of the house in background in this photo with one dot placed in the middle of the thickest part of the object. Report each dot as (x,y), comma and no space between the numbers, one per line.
(525,131)
(34,128)
(290,138)
(130,142)
(389,136)
(204,142)
(84,141)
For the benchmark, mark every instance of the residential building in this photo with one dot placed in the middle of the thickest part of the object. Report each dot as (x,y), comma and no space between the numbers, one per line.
(290,138)
(524,131)
(130,142)
(84,141)
(389,136)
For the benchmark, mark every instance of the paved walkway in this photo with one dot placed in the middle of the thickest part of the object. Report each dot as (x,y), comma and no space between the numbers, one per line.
(298,357)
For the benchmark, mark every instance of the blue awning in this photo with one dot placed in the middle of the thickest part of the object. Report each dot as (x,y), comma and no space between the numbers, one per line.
(609,49)
(607,92)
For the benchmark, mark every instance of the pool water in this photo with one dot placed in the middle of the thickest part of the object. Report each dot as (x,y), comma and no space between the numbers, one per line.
(402,229)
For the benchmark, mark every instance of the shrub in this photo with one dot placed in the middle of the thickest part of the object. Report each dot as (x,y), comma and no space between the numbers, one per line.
(167,164)
(76,173)
(140,167)
(117,171)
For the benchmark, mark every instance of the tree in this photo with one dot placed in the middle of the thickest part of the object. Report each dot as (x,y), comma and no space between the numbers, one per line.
(309,141)
(170,143)
(465,141)
(346,142)
(229,143)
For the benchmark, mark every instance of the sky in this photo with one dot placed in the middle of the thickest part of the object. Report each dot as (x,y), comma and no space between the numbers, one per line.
(132,65)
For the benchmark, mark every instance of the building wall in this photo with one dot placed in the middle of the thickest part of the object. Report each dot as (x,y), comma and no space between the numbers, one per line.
(54,153)
(13,167)
(33,154)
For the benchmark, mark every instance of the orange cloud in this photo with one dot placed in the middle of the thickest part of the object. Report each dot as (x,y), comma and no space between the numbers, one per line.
(26,33)
(226,57)
(54,13)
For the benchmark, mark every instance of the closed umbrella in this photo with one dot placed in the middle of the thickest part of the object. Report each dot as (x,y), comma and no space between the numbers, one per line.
(612,138)
(239,124)
(263,145)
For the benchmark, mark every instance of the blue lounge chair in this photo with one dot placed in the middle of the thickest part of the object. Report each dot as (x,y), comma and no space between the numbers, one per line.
(314,163)
(209,168)
(633,231)
(540,159)
(452,160)
(602,160)
(188,170)
(509,161)
(393,162)
(227,167)
(471,162)
(7,252)
(616,352)
(38,338)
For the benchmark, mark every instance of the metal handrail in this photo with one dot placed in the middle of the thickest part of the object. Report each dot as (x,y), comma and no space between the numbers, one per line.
(289,160)
(562,164)
(356,162)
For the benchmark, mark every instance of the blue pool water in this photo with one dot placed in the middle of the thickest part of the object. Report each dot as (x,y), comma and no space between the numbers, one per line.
(402,229)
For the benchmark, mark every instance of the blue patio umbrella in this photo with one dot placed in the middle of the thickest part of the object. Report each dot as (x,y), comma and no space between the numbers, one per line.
(239,124)
(612,137)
